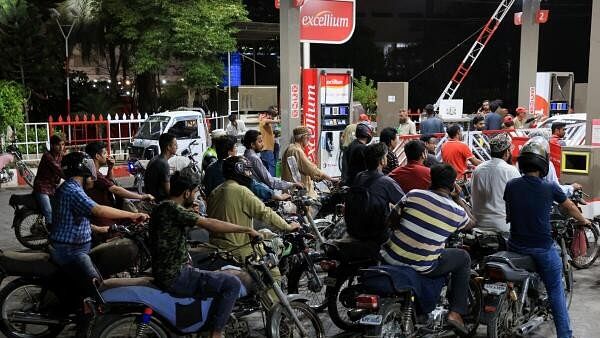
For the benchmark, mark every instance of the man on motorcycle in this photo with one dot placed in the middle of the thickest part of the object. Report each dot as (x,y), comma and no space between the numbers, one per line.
(253,142)
(488,184)
(48,176)
(71,234)
(156,177)
(528,205)
(210,155)
(423,221)
(104,190)
(233,202)
(171,267)
(354,155)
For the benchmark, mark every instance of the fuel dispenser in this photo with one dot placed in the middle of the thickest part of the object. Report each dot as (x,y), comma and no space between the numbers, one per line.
(327,97)
(581,164)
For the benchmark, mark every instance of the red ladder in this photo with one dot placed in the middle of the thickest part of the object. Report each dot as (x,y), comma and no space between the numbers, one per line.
(484,37)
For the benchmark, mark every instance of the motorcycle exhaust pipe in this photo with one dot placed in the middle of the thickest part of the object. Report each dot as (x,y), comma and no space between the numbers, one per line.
(33,318)
(531,325)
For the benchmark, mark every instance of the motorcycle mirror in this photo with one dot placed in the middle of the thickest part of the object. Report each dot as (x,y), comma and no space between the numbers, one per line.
(185,153)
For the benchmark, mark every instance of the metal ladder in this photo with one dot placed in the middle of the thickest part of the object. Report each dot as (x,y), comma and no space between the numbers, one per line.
(467,63)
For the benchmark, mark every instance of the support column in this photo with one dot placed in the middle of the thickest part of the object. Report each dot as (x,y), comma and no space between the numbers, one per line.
(289,45)
(593,100)
(530,31)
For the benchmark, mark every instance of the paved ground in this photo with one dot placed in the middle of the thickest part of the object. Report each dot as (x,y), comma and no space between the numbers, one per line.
(584,310)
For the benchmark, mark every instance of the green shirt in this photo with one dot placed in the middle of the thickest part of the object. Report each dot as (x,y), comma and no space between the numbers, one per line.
(168,244)
(234,203)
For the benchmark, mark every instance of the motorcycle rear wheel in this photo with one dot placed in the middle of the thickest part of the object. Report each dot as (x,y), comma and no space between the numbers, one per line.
(391,323)
(504,320)
(338,312)
(30,230)
(22,296)
(126,325)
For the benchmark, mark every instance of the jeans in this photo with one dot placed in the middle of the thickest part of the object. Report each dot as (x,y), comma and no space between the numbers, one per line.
(74,261)
(457,263)
(43,201)
(268,159)
(549,265)
(224,288)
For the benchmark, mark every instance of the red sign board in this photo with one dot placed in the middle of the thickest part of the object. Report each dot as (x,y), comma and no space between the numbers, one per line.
(542,16)
(310,118)
(518,19)
(295,101)
(277,4)
(296,3)
(327,21)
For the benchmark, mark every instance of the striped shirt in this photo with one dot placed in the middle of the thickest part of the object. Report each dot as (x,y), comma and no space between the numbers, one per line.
(427,221)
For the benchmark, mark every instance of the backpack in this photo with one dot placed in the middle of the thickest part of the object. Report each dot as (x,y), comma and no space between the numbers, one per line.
(365,216)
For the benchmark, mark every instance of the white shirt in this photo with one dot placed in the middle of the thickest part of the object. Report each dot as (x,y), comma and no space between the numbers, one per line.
(233,131)
(487,193)
(407,128)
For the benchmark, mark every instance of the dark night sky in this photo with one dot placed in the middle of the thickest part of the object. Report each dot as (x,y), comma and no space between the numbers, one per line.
(433,27)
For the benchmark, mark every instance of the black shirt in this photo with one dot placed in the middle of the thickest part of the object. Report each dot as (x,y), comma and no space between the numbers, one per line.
(213,177)
(355,159)
(157,173)
(430,161)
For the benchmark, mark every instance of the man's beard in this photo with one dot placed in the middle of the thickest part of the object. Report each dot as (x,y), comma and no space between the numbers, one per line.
(403,120)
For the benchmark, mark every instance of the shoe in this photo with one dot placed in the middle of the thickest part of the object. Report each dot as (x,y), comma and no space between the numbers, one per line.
(459,328)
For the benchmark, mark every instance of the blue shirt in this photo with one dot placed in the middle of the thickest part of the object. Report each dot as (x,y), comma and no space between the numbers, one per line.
(528,205)
(493,121)
(70,217)
(432,125)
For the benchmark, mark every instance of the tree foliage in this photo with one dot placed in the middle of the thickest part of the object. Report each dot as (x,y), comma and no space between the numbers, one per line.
(12,100)
(364,91)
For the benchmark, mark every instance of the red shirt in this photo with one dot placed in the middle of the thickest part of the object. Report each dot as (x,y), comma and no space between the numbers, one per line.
(101,194)
(413,175)
(456,154)
(48,174)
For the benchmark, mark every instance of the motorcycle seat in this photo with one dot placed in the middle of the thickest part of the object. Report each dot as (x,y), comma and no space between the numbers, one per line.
(27,264)
(120,282)
(23,200)
(517,260)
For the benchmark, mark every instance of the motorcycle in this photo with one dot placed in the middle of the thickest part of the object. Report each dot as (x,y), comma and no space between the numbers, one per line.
(136,310)
(137,168)
(396,301)
(41,300)
(28,223)
(515,299)
(22,168)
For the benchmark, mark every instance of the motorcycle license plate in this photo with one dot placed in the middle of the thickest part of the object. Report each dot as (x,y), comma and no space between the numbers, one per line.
(371,320)
(496,288)
(329,281)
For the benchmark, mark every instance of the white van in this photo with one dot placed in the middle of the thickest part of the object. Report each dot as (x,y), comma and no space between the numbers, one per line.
(187,124)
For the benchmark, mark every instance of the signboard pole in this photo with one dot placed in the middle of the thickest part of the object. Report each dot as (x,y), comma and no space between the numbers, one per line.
(305,55)
(593,100)
(530,30)
(289,43)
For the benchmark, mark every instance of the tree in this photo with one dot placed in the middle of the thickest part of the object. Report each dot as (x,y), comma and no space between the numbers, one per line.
(12,100)
(364,91)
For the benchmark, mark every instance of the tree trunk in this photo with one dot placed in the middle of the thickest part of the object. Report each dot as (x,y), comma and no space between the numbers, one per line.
(147,101)
(191,96)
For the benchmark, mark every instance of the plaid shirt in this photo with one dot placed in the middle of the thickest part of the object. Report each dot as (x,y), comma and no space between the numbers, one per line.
(70,216)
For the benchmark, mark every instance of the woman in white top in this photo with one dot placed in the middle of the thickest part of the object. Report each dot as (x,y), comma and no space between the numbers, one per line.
(235,128)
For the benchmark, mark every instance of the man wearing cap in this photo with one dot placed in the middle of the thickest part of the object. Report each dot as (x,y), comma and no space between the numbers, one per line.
(354,156)
(521,121)
(508,122)
(308,171)
(488,183)
(407,126)
(348,134)
(432,125)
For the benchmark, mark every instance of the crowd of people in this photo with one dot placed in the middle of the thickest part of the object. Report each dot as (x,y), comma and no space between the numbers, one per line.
(412,208)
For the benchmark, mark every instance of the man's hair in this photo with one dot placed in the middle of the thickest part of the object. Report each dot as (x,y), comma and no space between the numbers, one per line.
(164,140)
(232,117)
(271,111)
(495,104)
(388,135)
(250,137)
(442,176)
(414,150)
(427,137)
(223,145)
(557,125)
(453,130)
(477,119)
(55,139)
(180,182)
(94,148)
(374,153)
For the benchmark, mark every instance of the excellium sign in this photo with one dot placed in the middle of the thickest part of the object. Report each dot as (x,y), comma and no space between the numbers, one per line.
(327,21)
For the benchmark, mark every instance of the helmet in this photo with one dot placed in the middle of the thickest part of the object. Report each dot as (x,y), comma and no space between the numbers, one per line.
(363,130)
(239,169)
(534,156)
(217,133)
(500,143)
(540,132)
(78,164)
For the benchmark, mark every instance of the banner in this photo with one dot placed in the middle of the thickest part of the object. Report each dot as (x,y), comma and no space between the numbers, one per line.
(311,115)
(335,88)
(327,21)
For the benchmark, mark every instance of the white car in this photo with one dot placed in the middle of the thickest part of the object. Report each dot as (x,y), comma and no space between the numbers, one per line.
(567,118)
(575,129)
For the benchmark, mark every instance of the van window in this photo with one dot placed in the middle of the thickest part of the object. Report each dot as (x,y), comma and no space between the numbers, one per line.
(185,128)
(152,127)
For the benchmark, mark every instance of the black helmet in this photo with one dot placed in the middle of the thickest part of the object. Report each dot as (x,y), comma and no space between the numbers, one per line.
(363,130)
(534,156)
(239,169)
(78,164)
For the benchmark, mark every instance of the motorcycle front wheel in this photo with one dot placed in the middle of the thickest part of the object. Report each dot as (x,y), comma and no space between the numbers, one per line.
(281,325)
(30,230)
(592,237)
(21,300)
(127,325)
(299,281)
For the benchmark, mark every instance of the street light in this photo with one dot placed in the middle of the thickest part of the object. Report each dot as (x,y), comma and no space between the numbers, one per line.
(56,15)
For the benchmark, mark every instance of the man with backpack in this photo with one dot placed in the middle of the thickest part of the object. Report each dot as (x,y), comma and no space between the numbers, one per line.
(369,199)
